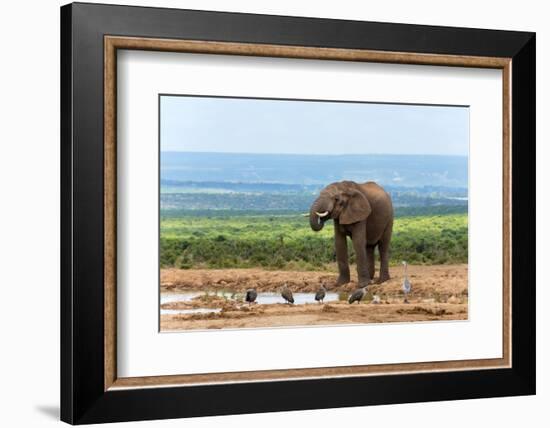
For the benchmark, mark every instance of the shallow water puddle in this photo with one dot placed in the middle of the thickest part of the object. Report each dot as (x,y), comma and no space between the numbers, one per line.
(189,311)
(179,297)
(264,298)
(299,298)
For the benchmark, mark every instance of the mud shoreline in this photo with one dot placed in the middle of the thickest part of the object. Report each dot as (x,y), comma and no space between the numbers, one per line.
(438,293)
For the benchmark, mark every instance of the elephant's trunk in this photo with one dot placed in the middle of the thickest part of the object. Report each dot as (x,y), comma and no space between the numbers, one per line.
(317,221)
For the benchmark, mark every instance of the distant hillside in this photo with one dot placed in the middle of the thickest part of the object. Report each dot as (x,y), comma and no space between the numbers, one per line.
(290,201)
(310,171)
(174,186)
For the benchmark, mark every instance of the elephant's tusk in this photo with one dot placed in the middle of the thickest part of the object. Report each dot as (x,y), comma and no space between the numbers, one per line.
(323,214)
(305,215)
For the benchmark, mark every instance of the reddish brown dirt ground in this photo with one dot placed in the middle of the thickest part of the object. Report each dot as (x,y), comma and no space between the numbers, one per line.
(438,293)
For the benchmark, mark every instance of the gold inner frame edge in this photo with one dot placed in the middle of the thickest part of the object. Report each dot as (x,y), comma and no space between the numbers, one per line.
(113,43)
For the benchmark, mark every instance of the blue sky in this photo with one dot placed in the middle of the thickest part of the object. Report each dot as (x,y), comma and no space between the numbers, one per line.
(200,124)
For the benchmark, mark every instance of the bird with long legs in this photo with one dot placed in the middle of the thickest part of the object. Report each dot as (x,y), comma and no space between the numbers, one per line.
(406,287)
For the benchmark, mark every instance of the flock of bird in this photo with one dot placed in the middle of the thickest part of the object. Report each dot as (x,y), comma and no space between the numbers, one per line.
(358,295)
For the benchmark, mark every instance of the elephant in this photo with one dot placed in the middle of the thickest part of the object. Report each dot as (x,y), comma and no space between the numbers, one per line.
(363,212)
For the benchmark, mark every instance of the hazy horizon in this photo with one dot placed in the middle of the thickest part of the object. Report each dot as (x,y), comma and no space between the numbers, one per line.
(305,169)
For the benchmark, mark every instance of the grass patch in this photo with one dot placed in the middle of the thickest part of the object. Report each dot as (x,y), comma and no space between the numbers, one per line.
(285,241)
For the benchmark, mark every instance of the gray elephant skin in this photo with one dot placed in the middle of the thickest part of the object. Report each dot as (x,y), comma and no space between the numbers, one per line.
(363,212)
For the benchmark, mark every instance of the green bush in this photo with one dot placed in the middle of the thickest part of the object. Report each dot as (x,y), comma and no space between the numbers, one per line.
(287,242)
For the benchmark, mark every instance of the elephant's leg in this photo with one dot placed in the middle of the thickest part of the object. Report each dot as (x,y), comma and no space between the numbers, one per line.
(359,238)
(370,260)
(341,248)
(384,250)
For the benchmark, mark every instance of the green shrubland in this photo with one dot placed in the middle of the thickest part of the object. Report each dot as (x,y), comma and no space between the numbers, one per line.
(285,241)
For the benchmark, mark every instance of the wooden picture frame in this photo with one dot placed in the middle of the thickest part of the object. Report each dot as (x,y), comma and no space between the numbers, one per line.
(91,390)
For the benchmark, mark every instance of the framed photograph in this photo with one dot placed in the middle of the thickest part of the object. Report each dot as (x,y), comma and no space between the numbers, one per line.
(266,213)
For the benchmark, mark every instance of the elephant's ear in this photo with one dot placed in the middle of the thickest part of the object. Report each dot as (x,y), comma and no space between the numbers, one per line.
(357,208)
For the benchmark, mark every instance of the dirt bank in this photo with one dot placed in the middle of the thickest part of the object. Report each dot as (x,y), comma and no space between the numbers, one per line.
(278,315)
(438,293)
(428,281)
